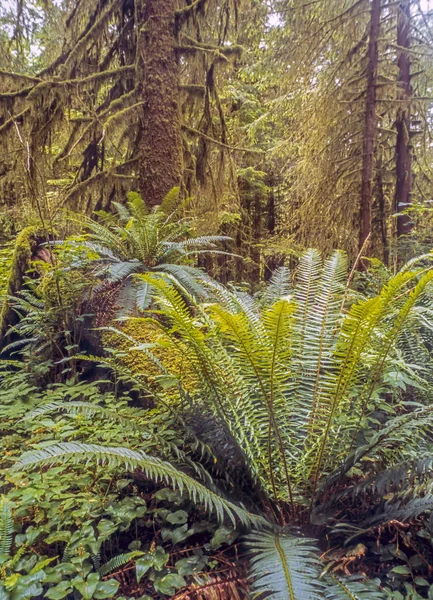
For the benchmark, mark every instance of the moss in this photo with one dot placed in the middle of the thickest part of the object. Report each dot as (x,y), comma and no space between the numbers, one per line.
(146,331)
(25,245)
(70,289)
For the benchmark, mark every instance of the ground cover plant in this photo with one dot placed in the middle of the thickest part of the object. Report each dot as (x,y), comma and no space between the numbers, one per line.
(216,299)
(295,446)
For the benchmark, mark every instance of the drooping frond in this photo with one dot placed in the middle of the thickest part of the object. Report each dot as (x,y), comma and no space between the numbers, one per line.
(279,286)
(131,460)
(398,431)
(401,510)
(352,588)
(284,567)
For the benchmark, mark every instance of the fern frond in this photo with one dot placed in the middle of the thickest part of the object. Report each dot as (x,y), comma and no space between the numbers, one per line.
(131,460)
(284,567)
(6,526)
(118,561)
(168,204)
(120,270)
(402,510)
(279,286)
(352,588)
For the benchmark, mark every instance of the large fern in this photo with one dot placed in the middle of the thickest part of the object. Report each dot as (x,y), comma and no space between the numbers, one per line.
(132,460)
(293,378)
(136,241)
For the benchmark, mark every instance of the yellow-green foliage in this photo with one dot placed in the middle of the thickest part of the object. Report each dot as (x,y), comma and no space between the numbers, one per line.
(69,288)
(6,254)
(17,267)
(147,331)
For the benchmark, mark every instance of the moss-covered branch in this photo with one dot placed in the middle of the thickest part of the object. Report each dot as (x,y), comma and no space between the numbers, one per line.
(195,46)
(112,173)
(12,120)
(218,143)
(91,34)
(17,93)
(43,86)
(18,77)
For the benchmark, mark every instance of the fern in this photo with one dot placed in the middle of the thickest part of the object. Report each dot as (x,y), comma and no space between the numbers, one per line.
(352,588)
(6,526)
(293,379)
(279,286)
(284,567)
(131,460)
(137,241)
(401,510)
(118,561)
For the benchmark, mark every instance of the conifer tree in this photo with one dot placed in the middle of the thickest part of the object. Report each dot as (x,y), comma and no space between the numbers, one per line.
(106,115)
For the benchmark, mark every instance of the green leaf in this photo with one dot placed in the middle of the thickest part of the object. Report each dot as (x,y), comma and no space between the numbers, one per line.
(223,535)
(176,535)
(191,565)
(157,559)
(169,584)
(401,570)
(59,591)
(142,566)
(87,587)
(177,518)
(106,589)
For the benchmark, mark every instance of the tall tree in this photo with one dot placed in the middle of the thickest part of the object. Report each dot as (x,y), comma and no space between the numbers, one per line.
(333,114)
(132,101)
(370,126)
(403,185)
(158,86)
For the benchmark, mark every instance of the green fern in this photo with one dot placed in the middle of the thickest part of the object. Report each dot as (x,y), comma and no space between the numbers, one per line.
(293,378)
(135,241)
(352,588)
(118,561)
(6,526)
(284,567)
(131,460)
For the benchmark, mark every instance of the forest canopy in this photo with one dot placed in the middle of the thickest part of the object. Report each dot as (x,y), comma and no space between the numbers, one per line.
(216,299)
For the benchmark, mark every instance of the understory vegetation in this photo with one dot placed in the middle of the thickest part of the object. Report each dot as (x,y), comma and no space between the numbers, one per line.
(216,299)
(164,435)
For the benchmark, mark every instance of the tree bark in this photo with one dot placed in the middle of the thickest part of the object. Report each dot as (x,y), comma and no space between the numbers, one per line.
(160,149)
(369,127)
(403,158)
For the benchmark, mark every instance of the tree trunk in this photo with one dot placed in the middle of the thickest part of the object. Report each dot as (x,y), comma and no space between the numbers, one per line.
(383,232)
(403,156)
(369,127)
(257,236)
(160,152)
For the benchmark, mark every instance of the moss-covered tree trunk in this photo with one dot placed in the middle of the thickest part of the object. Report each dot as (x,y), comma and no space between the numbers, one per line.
(160,151)
(403,143)
(369,126)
